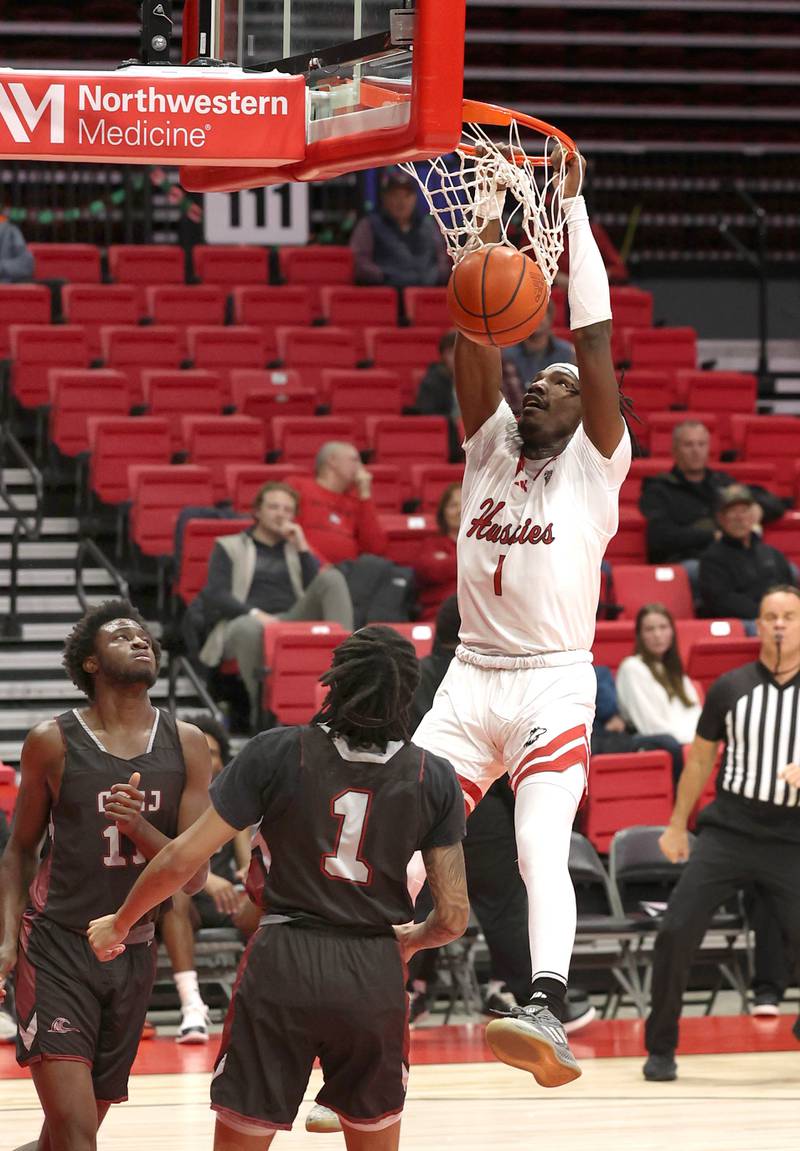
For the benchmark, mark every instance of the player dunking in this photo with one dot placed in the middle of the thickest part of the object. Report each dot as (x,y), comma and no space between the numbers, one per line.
(343,804)
(106,786)
(540,503)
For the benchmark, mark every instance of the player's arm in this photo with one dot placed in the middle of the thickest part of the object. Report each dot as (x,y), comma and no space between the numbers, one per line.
(478,370)
(590,318)
(448,885)
(173,868)
(42,761)
(699,764)
(125,804)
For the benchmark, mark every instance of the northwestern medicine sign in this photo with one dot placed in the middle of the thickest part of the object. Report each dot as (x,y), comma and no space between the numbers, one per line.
(142,116)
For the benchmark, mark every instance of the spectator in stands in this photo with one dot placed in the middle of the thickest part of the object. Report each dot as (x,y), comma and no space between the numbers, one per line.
(654,694)
(679,505)
(610,733)
(399,245)
(16,261)
(737,568)
(336,511)
(521,362)
(221,903)
(436,567)
(436,395)
(262,575)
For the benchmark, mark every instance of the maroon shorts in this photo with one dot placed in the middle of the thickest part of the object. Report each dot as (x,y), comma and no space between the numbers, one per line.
(306,993)
(71,1006)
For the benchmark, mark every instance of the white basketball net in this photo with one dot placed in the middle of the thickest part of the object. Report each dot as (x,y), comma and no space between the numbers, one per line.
(460,190)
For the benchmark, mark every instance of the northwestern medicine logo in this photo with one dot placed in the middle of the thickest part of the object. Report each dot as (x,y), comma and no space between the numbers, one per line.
(129,111)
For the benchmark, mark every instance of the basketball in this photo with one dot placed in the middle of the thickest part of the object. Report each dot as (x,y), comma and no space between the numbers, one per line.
(497,296)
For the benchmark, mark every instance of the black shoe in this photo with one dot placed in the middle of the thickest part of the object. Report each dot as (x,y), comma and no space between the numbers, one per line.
(660,1068)
(499,1002)
(766,1004)
(532,1039)
(577,1014)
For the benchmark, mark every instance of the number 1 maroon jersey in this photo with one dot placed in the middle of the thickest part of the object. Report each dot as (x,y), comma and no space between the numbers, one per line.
(341,825)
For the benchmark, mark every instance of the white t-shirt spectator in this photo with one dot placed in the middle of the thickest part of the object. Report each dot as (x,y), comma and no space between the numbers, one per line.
(644,703)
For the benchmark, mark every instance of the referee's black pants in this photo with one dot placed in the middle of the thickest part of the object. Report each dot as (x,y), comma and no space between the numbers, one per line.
(722,862)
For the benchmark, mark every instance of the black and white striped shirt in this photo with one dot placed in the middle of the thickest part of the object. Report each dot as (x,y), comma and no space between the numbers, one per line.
(759,721)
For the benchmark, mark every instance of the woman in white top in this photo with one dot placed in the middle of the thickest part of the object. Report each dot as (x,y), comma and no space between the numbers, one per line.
(653,693)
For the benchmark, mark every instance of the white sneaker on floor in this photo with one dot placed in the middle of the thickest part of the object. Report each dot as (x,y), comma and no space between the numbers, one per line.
(194,1025)
(322,1121)
(8,1028)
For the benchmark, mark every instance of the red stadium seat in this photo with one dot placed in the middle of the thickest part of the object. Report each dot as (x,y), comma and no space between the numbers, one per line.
(708,660)
(649,389)
(21,304)
(631,307)
(266,406)
(355,308)
(661,426)
(184,306)
(316,265)
(311,351)
(76,396)
(358,395)
(405,535)
(296,655)
(176,394)
(420,634)
(199,537)
(93,305)
(159,494)
(614,640)
(368,379)
(428,482)
(639,584)
(147,264)
(269,306)
(35,349)
(722,392)
(213,442)
(759,472)
(767,437)
(661,347)
(224,349)
(629,545)
(640,470)
(692,631)
(403,350)
(132,350)
(230,265)
(398,439)
(244,480)
(784,534)
(389,491)
(8,790)
(298,440)
(627,790)
(75,263)
(428,307)
(255,381)
(116,443)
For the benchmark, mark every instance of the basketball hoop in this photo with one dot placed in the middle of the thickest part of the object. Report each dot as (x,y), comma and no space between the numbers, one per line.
(459,186)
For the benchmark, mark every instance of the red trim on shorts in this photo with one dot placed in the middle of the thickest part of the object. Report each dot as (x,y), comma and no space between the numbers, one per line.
(569,759)
(472,793)
(365,1124)
(32,1060)
(262,1124)
(554,745)
(227,1027)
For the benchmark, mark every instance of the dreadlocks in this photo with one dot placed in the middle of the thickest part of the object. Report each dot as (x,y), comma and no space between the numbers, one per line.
(628,413)
(371,683)
(79,644)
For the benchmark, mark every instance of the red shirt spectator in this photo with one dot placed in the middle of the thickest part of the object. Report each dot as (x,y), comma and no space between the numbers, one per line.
(436,570)
(336,509)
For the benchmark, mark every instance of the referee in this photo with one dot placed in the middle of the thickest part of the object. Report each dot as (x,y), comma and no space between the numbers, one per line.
(750,834)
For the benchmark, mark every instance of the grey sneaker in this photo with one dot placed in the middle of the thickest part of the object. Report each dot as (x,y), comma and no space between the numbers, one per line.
(322,1121)
(532,1039)
(660,1069)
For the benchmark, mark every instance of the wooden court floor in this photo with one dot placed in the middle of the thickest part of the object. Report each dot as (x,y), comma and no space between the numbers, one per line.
(734,1101)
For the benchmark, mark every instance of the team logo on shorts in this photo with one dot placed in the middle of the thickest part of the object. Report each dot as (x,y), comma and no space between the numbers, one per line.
(62,1026)
(547,476)
(536,734)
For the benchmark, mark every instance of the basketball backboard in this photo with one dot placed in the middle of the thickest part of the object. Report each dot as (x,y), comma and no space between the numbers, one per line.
(383,78)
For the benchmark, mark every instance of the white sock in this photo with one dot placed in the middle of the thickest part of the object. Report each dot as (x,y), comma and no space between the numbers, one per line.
(188,989)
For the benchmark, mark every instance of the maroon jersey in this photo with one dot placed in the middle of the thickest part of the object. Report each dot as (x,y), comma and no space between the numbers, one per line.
(341,825)
(87,867)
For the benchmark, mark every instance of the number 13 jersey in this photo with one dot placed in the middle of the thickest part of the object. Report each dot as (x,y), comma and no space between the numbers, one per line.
(340,824)
(87,867)
(532,537)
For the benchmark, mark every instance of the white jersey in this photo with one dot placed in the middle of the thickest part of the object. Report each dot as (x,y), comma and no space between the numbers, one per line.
(532,537)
